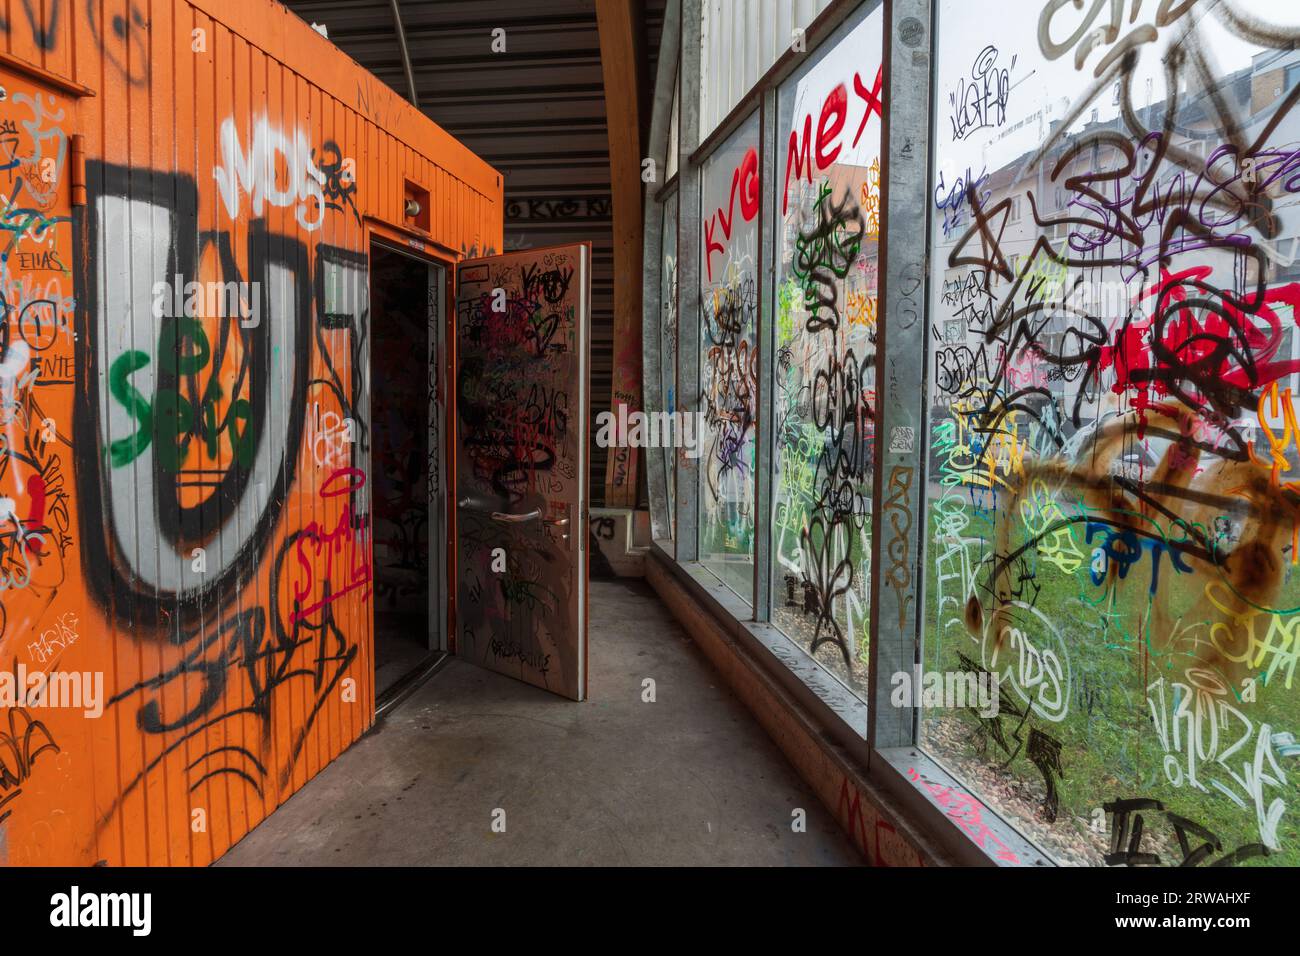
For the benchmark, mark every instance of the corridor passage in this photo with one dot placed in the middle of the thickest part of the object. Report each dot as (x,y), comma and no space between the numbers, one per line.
(689,780)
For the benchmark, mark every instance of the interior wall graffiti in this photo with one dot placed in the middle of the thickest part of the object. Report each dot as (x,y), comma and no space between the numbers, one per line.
(1113,519)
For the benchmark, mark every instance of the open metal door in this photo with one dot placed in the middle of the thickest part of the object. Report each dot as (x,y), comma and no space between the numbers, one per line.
(521,448)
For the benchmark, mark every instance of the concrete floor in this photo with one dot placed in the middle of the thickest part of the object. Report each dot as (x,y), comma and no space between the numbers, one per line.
(689,780)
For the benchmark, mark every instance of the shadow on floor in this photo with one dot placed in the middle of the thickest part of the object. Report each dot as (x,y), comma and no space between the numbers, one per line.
(400,647)
(689,780)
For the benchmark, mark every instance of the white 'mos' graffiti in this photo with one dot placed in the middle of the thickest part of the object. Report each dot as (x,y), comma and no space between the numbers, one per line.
(1040,676)
(255,171)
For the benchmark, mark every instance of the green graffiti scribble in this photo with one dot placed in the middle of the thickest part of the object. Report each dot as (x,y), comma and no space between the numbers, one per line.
(789,299)
(171,420)
(122,451)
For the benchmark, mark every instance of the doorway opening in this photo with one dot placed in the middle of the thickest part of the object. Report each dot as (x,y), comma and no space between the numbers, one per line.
(405,464)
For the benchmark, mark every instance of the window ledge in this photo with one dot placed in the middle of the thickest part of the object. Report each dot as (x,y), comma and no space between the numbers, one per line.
(911,773)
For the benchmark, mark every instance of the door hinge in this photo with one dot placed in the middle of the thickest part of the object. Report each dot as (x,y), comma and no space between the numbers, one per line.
(78,154)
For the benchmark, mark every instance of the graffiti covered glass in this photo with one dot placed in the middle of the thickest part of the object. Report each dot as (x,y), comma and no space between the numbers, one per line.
(729,358)
(828,222)
(1113,516)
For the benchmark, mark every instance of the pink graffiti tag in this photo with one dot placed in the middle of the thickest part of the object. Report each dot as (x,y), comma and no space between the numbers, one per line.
(966,811)
(344,537)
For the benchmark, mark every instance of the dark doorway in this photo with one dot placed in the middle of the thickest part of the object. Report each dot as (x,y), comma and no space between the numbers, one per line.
(401,296)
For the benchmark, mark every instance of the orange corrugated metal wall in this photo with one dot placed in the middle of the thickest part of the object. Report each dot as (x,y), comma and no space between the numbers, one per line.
(171,513)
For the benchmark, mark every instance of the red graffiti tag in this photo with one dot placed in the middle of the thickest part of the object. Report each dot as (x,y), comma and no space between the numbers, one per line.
(744,176)
(345,542)
(830,123)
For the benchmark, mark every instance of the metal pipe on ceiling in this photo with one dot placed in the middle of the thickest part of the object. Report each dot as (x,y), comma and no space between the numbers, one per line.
(406,53)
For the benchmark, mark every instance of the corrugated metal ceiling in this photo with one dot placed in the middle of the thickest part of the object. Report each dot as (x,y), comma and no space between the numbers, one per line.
(536,112)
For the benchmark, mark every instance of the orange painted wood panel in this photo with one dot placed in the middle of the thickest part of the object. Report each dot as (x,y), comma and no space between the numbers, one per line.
(174,528)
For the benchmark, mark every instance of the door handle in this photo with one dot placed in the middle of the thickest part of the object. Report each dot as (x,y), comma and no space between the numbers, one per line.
(473,505)
(516,519)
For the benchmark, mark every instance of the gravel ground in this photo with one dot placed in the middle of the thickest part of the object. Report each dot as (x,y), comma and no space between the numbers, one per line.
(1070,840)
(801,628)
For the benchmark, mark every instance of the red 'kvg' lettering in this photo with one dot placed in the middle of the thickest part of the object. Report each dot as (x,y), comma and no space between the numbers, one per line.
(744,176)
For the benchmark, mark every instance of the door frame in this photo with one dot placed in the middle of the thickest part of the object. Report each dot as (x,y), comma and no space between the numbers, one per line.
(440,341)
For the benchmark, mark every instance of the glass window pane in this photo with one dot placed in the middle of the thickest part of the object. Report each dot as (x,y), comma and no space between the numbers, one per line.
(828,217)
(728,359)
(1113,498)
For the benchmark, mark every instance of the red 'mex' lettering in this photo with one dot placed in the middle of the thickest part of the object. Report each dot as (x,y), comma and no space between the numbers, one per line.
(829,126)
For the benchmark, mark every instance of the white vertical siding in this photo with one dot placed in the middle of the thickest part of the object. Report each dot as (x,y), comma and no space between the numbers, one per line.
(740,42)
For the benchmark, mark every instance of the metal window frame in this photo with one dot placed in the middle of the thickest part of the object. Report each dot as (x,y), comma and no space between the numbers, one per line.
(765,341)
(901,380)
(688,270)
(669,186)
(881,737)
(666,83)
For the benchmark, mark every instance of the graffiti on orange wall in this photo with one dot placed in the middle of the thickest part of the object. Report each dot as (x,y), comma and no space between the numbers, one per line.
(38,616)
(204,484)
(185,488)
